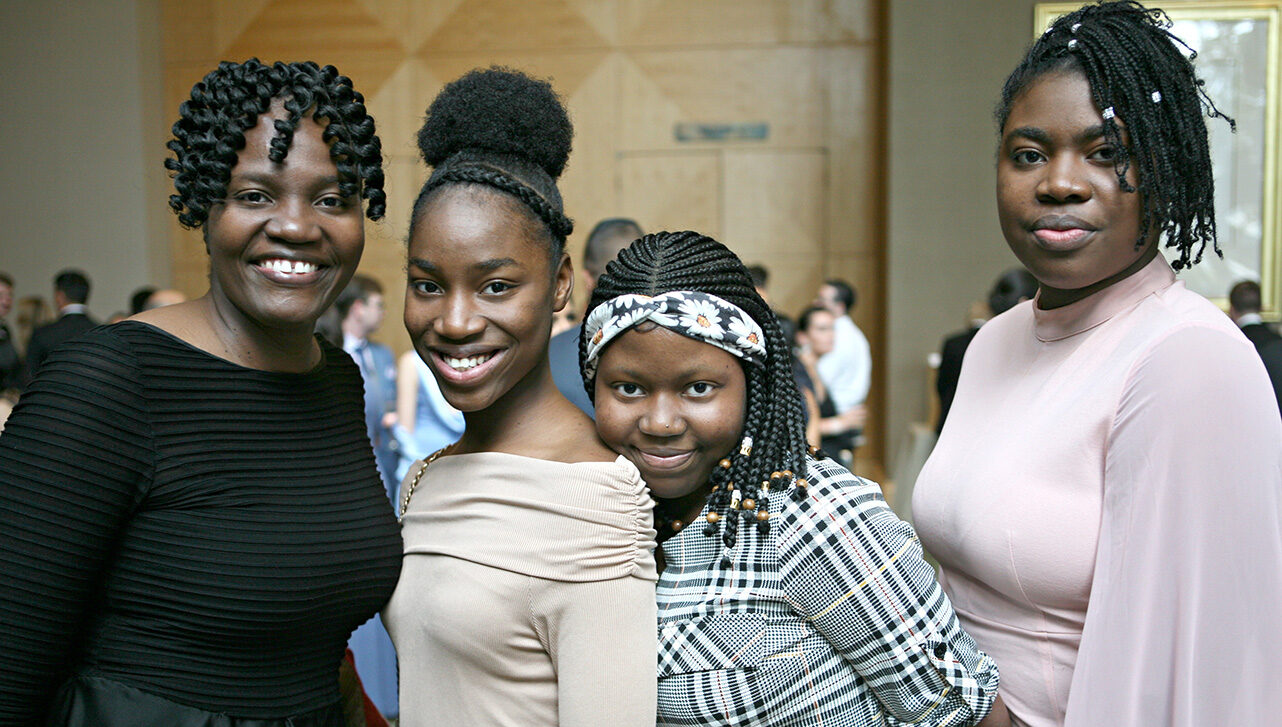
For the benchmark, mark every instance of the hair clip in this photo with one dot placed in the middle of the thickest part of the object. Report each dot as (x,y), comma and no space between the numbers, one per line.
(745,447)
(1074,27)
(1107,113)
(1157,97)
(1072,43)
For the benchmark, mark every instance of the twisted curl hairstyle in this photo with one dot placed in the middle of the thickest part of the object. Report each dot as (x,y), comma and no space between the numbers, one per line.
(227,102)
(502,129)
(1134,65)
(666,261)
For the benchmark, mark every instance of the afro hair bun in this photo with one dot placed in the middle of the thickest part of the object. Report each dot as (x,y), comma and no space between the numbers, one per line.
(498,110)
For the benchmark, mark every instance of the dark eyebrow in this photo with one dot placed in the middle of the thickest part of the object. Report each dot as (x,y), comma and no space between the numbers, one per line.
(422,264)
(485,265)
(1032,133)
(693,373)
(495,263)
(1039,136)
(1090,133)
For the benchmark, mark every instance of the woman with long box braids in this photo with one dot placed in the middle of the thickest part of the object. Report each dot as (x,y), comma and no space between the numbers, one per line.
(790,594)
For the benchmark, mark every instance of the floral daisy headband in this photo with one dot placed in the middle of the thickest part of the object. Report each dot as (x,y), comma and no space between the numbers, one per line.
(700,316)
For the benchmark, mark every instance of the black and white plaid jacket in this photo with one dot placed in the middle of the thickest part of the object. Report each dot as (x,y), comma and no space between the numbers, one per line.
(832,619)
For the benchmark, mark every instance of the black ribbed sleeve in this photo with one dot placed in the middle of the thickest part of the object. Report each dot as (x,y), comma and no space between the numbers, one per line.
(190,528)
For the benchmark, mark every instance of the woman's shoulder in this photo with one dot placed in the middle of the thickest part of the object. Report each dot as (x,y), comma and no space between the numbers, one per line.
(1180,324)
(105,348)
(831,489)
(510,467)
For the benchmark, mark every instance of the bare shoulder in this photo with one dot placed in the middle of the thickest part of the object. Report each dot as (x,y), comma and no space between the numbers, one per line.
(180,319)
(578,440)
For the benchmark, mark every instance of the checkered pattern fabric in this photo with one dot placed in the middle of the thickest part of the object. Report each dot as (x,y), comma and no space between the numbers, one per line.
(832,619)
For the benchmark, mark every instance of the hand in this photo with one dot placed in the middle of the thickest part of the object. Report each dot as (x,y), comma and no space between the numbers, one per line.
(806,355)
(389,420)
(855,417)
(999,717)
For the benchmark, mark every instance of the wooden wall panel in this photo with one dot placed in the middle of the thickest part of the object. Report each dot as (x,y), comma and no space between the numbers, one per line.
(774,218)
(672,191)
(781,86)
(806,200)
(730,22)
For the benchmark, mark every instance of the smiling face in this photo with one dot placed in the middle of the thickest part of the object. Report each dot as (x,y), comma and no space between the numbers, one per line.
(1062,209)
(481,294)
(672,405)
(285,241)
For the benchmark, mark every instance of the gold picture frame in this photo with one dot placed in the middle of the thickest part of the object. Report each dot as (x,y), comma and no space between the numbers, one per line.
(1239,48)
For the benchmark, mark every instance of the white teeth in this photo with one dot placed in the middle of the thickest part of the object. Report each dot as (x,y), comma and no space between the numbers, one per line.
(463,364)
(294,267)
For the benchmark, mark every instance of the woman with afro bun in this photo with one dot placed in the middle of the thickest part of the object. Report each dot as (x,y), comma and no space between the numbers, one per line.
(1105,499)
(527,594)
(191,522)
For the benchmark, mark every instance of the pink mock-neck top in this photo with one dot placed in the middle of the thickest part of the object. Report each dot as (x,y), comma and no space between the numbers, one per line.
(1105,502)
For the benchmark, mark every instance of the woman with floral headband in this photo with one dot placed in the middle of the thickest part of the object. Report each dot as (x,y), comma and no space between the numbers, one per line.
(790,594)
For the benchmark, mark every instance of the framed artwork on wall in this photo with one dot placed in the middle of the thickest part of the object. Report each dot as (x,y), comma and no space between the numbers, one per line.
(1239,55)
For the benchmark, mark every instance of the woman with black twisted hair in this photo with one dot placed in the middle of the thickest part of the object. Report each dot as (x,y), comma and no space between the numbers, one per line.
(790,593)
(1105,498)
(191,522)
(527,597)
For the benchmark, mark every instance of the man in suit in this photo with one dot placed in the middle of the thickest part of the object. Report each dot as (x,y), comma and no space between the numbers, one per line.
(361,310)
(603,245)
(1014,286)
(1244,309)
(70,297)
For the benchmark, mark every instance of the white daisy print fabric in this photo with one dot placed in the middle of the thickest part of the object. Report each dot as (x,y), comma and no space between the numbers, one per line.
(700,316)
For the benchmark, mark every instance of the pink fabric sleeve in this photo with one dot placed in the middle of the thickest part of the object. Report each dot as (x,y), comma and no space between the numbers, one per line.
(1182,626)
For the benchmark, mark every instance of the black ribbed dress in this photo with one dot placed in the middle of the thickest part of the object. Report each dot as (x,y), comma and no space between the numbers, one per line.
(185,541)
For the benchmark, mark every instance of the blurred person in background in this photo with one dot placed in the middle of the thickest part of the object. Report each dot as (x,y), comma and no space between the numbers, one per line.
(603,245)
(1014,286)
(10,361)
(71,298)
(361,310)
(847,369)
(834,433)
(1244,309)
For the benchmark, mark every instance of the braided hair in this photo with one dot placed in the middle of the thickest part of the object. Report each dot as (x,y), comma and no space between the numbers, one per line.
(227,102)
(502,129)
(774,420)
(1134,66)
